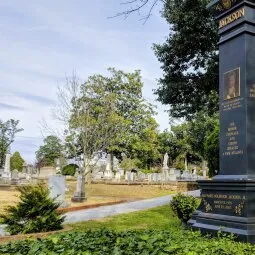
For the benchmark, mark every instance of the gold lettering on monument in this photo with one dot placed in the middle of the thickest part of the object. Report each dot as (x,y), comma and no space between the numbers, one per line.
(231,18)
(232,104)
(223,201)
(232,145)
(252,91)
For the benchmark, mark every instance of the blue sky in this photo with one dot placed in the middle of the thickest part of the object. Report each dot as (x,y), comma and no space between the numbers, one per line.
(42,42)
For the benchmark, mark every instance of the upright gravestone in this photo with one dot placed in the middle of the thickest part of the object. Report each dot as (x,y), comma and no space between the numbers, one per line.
(108,170)
(165,168)
(228,199)
(57,187)
(7,167)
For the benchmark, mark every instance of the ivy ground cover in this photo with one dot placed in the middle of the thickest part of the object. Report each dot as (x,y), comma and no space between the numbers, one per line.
(154,231)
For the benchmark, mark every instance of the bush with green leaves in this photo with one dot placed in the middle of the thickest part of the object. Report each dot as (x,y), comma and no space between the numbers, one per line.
(35,212)
(69,169)
(106,242)
(183,206)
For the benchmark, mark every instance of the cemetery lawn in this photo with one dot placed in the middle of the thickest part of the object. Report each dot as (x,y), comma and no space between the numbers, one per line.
(8,196)
(96,193)
(159,218)
(128,192)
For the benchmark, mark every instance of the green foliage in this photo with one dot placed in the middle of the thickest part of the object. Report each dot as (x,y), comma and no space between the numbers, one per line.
(69,169)
(127,163)
(168,143)
(212,151)
(198,131)
(8,130)
(189,59)
(105,242)
(187,140)
(50,151)
(110,114)
(36,212)
(183,206)
(179,164)
(17,161)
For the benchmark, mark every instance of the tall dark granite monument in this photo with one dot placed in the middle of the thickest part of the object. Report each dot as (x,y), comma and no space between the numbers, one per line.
(228,200)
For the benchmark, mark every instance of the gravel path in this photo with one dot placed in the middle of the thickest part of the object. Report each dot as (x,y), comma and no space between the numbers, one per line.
(106,211)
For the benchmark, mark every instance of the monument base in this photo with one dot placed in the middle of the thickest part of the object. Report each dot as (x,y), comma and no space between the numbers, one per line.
(227,206)
(79,197)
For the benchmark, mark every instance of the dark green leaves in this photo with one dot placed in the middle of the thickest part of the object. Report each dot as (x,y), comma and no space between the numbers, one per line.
(176,242)
(189,58)
(36,212)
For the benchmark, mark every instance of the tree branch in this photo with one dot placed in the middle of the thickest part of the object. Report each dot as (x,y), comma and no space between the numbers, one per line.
(136,7)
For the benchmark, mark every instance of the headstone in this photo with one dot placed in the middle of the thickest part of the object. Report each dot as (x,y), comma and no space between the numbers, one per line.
(58,169)
(228,199)
(115,163)
(132,177)
(79,195)
(165,161)
(15,174)
(172,174)
(108,170)
(121,171)
(117,176)
(154,177)
(7,167)
(57,187)
(150,178)
(186,175)
(129,177)
(98,176)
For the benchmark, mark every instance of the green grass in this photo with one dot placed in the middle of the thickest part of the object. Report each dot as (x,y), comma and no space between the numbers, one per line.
(159,218)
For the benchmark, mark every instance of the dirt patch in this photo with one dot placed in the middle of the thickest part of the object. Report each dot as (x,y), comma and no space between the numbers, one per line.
(6,239)
(82,207)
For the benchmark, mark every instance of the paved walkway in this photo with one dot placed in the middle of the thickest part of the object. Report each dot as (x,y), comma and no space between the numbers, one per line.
(106,211)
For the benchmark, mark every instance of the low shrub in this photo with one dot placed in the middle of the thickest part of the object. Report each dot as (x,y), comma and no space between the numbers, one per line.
(105,242)
(183,206)
(69,169)
(36,212)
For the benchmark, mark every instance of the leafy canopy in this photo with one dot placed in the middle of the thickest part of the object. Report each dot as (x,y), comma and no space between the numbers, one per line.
(110,114)
(50,151)
(189,59)
(8,130)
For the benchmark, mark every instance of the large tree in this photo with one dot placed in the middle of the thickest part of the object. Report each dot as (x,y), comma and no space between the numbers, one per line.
(50,151)
(139,137)
(189,56)
(107,113)
(8,130)
(129,126)
(189,59)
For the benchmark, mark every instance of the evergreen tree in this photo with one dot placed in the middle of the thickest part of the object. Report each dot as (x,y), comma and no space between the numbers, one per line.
(17,161)
(36,212)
